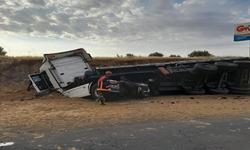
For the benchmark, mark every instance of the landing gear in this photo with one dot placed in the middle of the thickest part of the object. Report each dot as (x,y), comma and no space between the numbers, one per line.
(223,69)
(193,83)
(241,83)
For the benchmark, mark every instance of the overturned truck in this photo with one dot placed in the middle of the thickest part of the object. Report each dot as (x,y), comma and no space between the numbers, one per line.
(70,74)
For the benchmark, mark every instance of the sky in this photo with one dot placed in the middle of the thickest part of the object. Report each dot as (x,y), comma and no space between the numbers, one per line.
(105,28)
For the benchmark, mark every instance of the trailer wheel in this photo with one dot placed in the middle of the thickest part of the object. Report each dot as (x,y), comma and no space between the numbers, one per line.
(167,90)
(94,93)
(243,64)
(195,92)
(205,68)
(239,90)
(226,66)
(222,91)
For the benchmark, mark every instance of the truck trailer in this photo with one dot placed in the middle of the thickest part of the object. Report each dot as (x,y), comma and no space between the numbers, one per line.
(69,73)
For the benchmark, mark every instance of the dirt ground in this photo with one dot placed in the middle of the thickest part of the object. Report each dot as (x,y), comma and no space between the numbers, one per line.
(57,112)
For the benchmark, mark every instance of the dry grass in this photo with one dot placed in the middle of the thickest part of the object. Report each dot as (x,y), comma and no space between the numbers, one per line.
(20,58)
(11,89)
(118,61)
(6,61)
(58,112)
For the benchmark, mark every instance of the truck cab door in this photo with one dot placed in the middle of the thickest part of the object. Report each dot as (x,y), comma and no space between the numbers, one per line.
(39,82)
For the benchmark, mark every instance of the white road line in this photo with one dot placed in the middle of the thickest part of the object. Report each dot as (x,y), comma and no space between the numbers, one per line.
(6,144)
(197,122)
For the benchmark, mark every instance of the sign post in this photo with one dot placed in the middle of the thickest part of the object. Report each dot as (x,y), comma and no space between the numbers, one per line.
(242,33)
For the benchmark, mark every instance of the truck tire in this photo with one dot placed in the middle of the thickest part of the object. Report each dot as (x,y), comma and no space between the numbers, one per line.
(223,91)
(205,68)
(242,64)
(226,66)
(239,90)
(168,90)
(94,93)
(195,92)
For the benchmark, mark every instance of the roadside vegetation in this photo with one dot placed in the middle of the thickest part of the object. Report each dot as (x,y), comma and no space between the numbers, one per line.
(128,59)
(6,61)
(2,51)
(200,54)
(156,54)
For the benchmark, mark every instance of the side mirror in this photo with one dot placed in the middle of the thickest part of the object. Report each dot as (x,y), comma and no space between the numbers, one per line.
(88,73)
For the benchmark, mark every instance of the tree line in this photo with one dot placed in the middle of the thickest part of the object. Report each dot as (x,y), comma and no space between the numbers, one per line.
(2,51)
(196,53)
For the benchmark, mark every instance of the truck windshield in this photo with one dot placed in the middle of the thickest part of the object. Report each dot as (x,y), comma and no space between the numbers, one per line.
(39,82)
(36,79)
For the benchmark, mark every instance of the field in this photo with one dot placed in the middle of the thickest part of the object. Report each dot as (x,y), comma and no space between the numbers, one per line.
(20,109)
(6,61)
(57,112)
(14,70)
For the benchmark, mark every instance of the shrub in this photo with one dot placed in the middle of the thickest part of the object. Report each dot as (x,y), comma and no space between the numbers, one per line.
(174,56)
(199,53)
(2,51)
(130,55)
(156,54)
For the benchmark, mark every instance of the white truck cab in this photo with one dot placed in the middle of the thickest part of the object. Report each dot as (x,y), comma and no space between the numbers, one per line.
(59,71)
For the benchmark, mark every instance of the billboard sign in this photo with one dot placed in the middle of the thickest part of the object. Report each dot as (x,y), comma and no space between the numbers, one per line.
(242,32)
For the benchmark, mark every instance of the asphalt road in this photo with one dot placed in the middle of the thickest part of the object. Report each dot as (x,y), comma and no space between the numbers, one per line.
(227,133)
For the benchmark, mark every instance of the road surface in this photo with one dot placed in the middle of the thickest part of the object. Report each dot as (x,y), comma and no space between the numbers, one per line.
(223,133)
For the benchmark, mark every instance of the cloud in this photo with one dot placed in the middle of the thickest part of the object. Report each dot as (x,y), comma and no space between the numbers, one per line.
(37,2)
(127,22)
